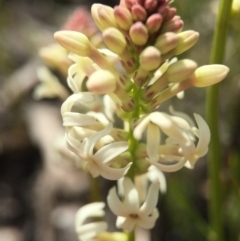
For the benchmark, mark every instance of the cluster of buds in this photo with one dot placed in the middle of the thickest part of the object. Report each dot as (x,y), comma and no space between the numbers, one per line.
(135,72)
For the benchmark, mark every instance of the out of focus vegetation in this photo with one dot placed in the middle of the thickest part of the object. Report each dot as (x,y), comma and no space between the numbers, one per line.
(41,191)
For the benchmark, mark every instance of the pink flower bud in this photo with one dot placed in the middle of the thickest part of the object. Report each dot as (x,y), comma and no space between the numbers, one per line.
(180,70)
(138,12)
(154,23)
(186,40)
(114,40)
(150,58)
(101,82)
(139,33)
(150,5)
(123,17)
(74,42)
(103,16)
(166,42)
(173,25)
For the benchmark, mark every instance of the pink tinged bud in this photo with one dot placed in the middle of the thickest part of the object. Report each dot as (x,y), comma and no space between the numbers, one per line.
(150,58)
(103,16)
(163,10)
(123,17)
(129,3)
(166,42)
(154,23)
(150,5)
(180,70)
(114,40)
(210,74)
(74,42)
(173,25)
(101,82)
(186,40)
(138,33)
(171,13)
(138,12)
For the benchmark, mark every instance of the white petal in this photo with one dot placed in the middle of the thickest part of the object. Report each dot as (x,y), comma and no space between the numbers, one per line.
(99,116)
(111,173)
(153,141)
(140,128)
(88,231)
(156,175)
(204,133)
(168,168)
(149,222)
(93,169)
(120,220)
(91,142)
(83,97)
(115,204)
(128,224)
(89,210)
(151,200)
(77,119)
(131,196)
(108,152)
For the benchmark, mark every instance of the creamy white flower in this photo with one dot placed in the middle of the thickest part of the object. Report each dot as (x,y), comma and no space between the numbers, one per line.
(180,134)
(129,212)
(87,232)
(50,86)
(98,163)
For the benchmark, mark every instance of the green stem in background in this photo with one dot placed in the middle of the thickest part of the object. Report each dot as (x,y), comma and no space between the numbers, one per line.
(214,155)
(131,236)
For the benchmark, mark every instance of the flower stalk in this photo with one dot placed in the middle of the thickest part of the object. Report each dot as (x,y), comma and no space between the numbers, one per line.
(212,104)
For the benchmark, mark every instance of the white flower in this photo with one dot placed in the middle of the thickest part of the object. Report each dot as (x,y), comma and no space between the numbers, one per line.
(130,213)
(86,232)
(98,162)
(180,134)
(50,86)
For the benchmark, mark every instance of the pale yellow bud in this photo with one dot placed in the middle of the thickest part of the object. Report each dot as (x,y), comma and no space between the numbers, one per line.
(114,40)
(166,42)
(102,82)
(103,16)
(150,58)
(180,70)
(210,74)
(236,8)
(186,40)
(123,17)
(74,42)
(139,33)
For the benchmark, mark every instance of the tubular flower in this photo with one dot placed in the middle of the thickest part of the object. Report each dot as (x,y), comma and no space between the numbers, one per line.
(98,163)
(87,232)
(130,213)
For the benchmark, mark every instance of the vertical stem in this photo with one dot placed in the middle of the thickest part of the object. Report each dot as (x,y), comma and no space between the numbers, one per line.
(94,189)
(214,155)
(131,236)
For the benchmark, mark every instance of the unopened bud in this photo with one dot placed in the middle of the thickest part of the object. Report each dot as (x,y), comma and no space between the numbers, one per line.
(150,5)
(103,16)
(150,58)
(174,25)
(166,42)
(129,3)
(210,74)
(139,33)
(138,12)
(101,82)
(180,70)
(123,17)
(186,40)
(114,40)
(74,42)
(154,23)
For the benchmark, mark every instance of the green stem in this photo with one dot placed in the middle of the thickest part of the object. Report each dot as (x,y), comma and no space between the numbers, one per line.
(131,236)
(94,189)
(214,155)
